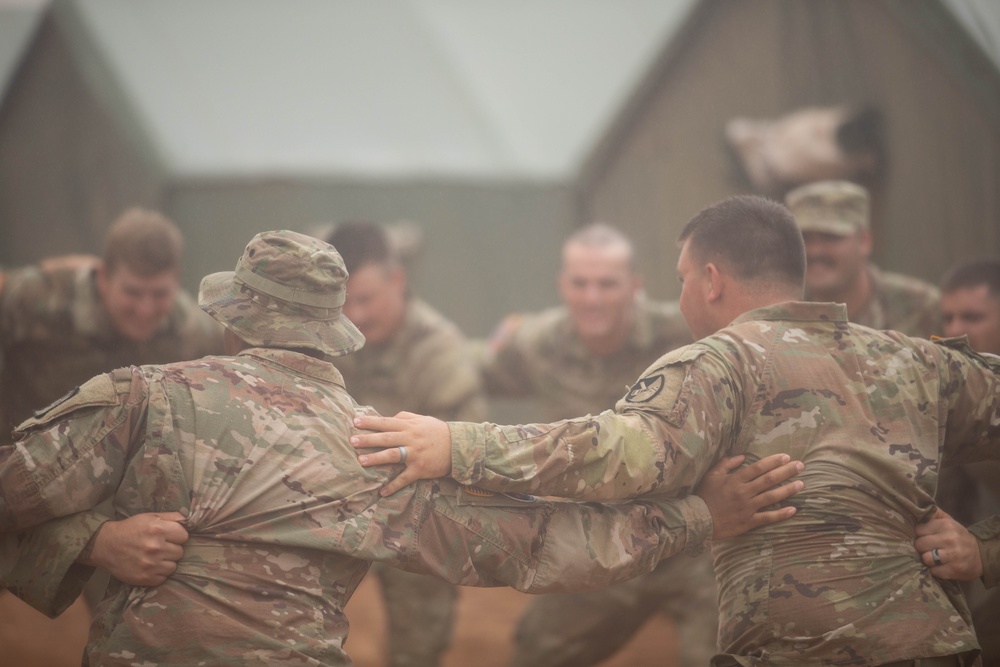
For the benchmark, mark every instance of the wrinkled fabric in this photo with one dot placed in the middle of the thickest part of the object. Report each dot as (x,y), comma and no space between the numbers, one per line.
(869,413)
(283,521)
(424,368)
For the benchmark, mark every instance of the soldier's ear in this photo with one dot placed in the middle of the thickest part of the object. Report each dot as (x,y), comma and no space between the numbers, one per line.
(714,282)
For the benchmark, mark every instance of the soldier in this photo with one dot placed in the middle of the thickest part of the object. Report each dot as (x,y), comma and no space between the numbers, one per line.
(414,359)
(580,358)
(252,449)
(64,321)
(833,217)
(870,413)
(970,306)
(61,325)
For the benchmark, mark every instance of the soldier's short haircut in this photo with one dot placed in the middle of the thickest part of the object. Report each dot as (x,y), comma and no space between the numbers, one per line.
(602,235)
(361,242)
(753,237)
(145,242)
(973,273)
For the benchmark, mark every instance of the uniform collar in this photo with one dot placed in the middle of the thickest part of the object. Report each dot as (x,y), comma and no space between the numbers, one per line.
(797,311)
(301,364)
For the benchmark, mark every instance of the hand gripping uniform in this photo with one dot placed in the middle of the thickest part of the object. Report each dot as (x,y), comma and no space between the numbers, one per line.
(871,415)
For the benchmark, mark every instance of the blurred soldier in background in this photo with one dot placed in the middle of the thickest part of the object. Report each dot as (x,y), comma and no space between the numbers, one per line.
(416,360)
(61,325)
(834,219)
(970,306)
(580,358)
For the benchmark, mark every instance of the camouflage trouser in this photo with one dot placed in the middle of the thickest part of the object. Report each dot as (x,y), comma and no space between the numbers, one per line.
(420,610)
(580,629)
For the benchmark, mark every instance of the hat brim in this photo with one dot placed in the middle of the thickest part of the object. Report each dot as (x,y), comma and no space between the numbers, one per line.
(221,297)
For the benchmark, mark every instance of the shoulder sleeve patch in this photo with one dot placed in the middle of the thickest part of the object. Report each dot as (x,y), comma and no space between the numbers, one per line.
(98,391)
(663,387)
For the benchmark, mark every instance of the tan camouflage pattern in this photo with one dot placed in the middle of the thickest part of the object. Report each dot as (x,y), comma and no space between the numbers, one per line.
(55,335)
(869,413)
(423,368)
(283,520)
(543,357)
(34,562)
(988,532)
(901,303)
(287,291)
(830,207)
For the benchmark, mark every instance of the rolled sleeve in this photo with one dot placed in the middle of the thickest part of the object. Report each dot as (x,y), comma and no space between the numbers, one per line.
(987,532)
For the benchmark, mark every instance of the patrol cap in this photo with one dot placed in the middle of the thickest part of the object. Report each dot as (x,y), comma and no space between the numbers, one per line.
(287,291)
(833,207)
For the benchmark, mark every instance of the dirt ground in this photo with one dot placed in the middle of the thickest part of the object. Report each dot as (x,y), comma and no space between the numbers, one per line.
(486,621)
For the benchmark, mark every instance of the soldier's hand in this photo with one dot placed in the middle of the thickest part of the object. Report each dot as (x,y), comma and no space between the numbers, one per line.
(142,550)
(957,548)
(735,498)
(427,443)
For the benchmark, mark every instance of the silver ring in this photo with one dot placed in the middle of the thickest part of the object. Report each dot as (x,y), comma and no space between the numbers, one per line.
(936,557)
(402,458)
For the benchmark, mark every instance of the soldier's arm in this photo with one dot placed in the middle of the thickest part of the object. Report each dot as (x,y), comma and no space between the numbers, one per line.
(971,393)
(478,538)
(664,435)
(40,565)
(503,360)
(475,537)
(987,535)
(72,457)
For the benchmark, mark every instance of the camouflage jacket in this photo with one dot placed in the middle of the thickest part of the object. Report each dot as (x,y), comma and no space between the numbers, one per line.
(56,335)
(283,520)
(542,356)
(425,368)
(868,412)
(901,303)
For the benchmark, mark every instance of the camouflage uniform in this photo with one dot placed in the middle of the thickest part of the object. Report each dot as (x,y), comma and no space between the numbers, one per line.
(868,412)
(283,521)
(901,303)
(56,335)
(543,356)
(425,367)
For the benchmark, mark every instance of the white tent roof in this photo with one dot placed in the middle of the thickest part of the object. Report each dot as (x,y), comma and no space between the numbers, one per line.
(520,88)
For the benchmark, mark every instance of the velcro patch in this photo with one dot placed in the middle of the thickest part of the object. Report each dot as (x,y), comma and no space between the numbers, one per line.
(98,391)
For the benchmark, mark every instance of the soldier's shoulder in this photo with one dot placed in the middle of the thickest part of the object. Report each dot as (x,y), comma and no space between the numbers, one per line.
(424,322)
(899,286)
(667,323)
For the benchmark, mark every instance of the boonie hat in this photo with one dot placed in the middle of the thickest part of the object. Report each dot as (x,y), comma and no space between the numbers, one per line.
(833,207)
(287,290)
